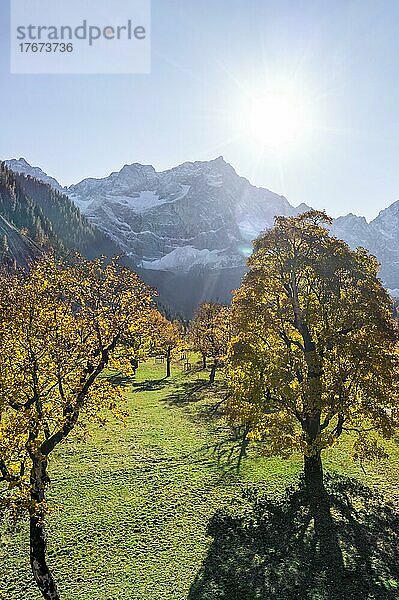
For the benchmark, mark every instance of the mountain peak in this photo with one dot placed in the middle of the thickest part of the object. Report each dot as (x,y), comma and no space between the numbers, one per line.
(22,166)
(351,218)
(136,167)
(203,214)
(301,208)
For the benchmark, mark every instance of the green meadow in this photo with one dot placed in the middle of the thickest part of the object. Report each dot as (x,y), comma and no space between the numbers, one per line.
(131,504)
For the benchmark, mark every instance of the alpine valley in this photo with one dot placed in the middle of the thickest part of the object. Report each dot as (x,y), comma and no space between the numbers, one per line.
(187,231)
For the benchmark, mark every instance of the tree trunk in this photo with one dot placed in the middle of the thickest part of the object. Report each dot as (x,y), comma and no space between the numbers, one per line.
(311,426)
(212,373)
(38,541)
(204,361)
(313,469)
(168,361)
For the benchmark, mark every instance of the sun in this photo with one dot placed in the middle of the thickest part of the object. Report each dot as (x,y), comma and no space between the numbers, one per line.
(276,120)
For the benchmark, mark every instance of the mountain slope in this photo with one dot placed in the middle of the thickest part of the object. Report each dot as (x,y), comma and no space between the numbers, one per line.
(21,166)
(47,218)
(15,247)
(380,237)
(68,223)
(20,211)
(199,214)
(187,230)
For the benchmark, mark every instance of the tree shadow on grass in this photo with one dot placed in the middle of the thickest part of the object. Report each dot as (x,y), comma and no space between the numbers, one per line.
(121,379)
(150,385)
(343,546)
(188,392)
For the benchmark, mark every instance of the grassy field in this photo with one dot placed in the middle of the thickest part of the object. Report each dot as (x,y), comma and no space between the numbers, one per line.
(132,503)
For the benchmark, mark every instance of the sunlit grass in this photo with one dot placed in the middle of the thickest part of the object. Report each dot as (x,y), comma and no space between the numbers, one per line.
(132,503)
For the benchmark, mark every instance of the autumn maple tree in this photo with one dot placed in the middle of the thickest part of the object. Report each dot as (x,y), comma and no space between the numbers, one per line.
(314,354)
(210,333)
(60,328)
(165,337)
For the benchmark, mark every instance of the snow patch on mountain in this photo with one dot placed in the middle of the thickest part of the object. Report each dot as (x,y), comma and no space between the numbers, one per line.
(203,215)
(187,257)
(199,213)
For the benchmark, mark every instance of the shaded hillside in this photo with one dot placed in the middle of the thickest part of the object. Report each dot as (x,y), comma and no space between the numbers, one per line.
(182,292)
(21,212)
(68,224)
(48,218)
(15,247)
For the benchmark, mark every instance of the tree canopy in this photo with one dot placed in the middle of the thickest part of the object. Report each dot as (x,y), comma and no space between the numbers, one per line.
(314,353)
(60,328)
(165,337)
(210,333)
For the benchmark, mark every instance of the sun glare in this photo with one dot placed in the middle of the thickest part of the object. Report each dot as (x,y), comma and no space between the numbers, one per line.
(276,120)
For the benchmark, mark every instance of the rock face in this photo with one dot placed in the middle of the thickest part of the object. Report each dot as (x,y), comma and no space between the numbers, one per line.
(196,215)
(188,230)
(199,215)
(380,237)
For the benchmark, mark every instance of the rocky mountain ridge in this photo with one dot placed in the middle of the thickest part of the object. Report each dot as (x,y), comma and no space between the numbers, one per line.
(196,215)
(192,226)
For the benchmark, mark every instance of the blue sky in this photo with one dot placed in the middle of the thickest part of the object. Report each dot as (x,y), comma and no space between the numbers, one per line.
(206,57)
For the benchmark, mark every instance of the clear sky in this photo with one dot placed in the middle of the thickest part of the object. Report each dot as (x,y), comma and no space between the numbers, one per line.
(208,57)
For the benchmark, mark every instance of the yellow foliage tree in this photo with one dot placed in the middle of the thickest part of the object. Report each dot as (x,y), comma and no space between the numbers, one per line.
(166,338)
(210,333)
(60,328)
(315,348)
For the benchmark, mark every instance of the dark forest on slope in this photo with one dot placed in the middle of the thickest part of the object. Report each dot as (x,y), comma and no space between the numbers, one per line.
(47,218)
